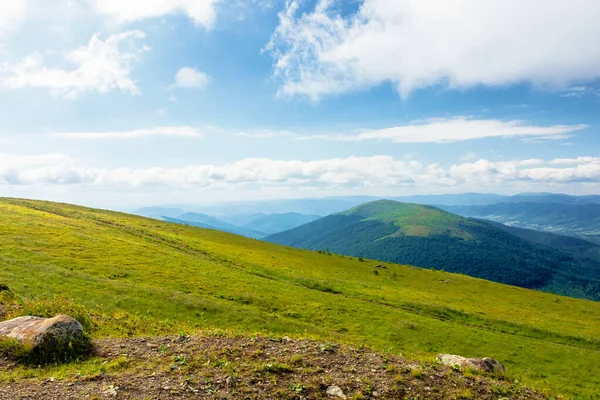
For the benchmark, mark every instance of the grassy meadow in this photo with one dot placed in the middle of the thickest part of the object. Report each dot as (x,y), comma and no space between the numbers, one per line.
(208,279)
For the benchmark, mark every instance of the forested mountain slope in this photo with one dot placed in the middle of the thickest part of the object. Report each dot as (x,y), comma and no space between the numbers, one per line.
(428,237)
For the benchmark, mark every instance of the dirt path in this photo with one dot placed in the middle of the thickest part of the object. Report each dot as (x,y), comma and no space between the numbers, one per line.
(219,367)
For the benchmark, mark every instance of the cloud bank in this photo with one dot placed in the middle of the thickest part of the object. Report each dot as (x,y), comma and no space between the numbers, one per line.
(345,173)
(169,131)
(417,44)
(459,129)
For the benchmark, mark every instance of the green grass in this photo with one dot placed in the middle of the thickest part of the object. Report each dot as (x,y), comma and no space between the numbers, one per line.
(185,276)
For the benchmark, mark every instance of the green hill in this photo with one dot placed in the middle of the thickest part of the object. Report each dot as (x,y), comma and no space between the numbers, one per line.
(428,237)
(119,262)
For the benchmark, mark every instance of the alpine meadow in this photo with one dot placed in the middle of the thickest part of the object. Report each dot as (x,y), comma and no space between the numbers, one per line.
(299,200)
(206,279)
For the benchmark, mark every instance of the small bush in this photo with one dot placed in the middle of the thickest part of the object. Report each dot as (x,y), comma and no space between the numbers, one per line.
(416,372)
(52,353)
(296,359)
(275,368)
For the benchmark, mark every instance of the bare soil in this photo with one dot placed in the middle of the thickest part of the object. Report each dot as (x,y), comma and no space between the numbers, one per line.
(220,367)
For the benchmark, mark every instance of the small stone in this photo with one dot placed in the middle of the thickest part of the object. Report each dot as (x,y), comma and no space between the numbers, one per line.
(335,391)
(151,345)
(231,382)
(111,391)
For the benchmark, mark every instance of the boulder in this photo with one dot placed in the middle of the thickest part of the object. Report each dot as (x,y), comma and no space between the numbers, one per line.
(43,335)
(482,364)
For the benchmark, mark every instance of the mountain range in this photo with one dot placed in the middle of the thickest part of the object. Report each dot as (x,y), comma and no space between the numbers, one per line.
(579,219)
(253,226)
(429,237)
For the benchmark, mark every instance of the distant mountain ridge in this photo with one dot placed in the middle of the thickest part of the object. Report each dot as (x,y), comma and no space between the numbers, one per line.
(330,205)
(429,237)
(275,223)
(208,222)
(574,219)
(253,226)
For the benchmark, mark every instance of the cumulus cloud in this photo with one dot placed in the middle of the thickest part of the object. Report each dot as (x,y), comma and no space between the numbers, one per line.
(416,44)
(202,12)
(12,13)
(181,131)
(338,173)
(190,78)
(458,129)
(100,66)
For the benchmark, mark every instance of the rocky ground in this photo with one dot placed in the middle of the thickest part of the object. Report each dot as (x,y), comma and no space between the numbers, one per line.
(220,367)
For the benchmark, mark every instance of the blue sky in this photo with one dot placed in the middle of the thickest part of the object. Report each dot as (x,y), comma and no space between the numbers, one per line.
(124,103)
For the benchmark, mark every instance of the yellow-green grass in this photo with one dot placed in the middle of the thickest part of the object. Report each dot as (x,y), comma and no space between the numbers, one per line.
(113,261)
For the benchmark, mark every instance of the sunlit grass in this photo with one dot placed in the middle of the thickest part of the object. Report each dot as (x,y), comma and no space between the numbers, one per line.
(177,277)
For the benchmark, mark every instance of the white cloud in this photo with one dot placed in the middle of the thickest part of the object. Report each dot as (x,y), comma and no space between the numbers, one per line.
(202,12)
(190,78)
(352,173)
(100,66)
(457,129)
(469,156)
(416,44)
(12,13)
(182,131)
(266,134)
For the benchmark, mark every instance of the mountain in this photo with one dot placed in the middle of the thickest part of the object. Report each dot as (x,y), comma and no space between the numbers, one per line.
(453,199)
(579,220)
(157,212)
(160,278)
(330,205)
(573,245)
(275,223)
(208,222)
(319,206)
(429,237)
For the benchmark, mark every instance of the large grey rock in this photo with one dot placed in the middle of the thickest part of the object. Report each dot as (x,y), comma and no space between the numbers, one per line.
(42,333)
(482,364)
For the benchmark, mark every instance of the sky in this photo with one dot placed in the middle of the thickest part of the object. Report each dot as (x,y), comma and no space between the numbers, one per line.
(125,103)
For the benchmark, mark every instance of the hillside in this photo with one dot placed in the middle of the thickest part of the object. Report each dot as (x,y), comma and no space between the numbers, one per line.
(569,244)
(176,274)
(574,219)
(428,237)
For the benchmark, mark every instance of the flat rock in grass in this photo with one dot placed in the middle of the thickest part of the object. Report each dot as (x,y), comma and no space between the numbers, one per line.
(482,364)
(42,333)
(335,391)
